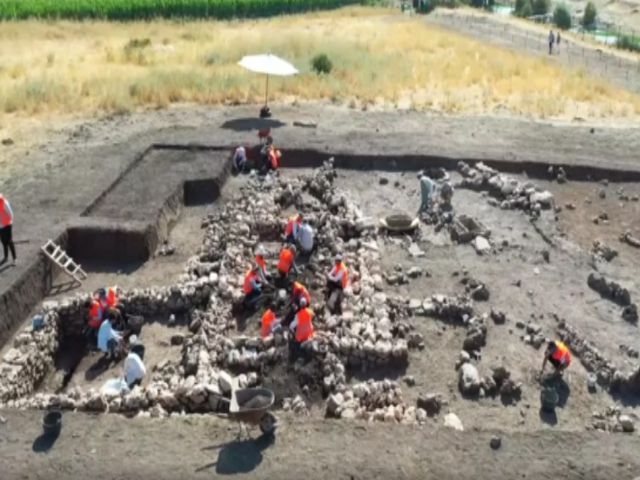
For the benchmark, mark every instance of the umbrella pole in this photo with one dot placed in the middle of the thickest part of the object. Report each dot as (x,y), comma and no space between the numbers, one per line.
(266,93)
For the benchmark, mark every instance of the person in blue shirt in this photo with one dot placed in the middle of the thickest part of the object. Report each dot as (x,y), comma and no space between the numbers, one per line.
(108,339)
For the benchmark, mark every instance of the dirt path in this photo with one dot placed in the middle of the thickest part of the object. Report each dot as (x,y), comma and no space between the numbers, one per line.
(500,31)
(111,447)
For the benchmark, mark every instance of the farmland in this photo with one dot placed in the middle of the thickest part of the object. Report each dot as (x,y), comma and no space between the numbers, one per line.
(146,9)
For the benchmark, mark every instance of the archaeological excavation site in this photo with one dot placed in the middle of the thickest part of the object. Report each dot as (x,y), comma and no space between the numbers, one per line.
(444,324)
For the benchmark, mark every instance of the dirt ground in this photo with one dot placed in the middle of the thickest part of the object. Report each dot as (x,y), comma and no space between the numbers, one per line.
(111,447)
(535,446)
(618,67)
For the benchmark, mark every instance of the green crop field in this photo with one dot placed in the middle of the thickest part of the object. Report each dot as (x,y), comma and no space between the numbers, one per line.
(147,9)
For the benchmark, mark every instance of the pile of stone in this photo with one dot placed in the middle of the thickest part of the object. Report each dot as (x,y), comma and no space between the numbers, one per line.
(30,357)
(588,354)
(512,193)
(472,384)
(457,309)
(628,238)
(179,394)
(476,289)
(601,251)
(615,292)
(609,289)
(373,401)
(613,420)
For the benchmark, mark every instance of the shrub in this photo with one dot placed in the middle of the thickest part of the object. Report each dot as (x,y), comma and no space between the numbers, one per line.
(540,7)
(590,14)
(562,17)
(321,64)
(523,8)
(628,42)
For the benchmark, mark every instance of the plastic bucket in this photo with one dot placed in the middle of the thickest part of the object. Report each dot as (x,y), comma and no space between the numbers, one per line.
(52,422)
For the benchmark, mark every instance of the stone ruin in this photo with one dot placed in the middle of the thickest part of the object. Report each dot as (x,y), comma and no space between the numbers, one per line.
(615,292)
(374,329)
(508,192)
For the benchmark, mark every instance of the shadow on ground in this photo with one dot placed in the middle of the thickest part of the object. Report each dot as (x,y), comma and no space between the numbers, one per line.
(248,124)
(239,456)
(44,442)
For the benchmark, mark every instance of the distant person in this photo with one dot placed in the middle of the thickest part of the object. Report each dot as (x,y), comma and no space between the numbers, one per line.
(552,39)
(261,264)
(302,329)
(134,369)
(558,354)
(6,227)
(337,281)
(558,39)
(427,188)
(299,292)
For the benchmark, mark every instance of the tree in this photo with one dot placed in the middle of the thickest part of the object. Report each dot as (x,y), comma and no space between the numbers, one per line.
(540,7)
(523,8)
(562,17)
(590,15)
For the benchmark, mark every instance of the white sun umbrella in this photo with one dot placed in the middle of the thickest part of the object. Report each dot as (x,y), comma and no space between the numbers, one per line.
(270,65)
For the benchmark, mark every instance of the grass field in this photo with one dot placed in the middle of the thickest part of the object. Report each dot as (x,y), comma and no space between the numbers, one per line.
(380,59)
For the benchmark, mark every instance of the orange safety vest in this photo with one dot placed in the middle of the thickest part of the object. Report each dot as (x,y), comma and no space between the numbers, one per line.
(299,290)
(562,354)
(248,280)
(6,218)
(345,277)
(262,264)
(112,298)
(304,328)
(274,158)
(286,261)
(291,223)
(267,320)
(95,314)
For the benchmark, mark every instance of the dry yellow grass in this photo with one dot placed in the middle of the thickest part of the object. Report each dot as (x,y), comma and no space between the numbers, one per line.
(379,57)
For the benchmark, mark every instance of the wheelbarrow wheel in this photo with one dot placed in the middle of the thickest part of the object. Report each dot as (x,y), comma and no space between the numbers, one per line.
(268,423)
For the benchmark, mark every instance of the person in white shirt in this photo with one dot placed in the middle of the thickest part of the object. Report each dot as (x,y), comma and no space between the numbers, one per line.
(305,238)
(134,369)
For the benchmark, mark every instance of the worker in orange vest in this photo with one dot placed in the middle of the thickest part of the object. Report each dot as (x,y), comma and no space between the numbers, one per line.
(270,323)
(287,263)
(261,263)
(337,281)
(252,288)
(292,229)
(302,324)
(298,293)
(96,317)
(6,230)
(558,354)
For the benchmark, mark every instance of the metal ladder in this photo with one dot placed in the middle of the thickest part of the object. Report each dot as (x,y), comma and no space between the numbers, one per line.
(58,256)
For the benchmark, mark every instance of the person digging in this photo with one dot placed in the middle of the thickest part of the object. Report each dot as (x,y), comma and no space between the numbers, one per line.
(337,281)
(558,355)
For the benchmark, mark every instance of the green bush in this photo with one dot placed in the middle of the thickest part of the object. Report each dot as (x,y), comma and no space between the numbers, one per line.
(540,7)
(523,8)
(590,15)
(628,42)
(562,17)
(321,64)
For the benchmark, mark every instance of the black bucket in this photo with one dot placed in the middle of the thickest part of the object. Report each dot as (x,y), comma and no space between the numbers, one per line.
(52,423)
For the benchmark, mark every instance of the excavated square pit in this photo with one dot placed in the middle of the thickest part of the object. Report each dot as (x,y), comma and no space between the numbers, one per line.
(533,288)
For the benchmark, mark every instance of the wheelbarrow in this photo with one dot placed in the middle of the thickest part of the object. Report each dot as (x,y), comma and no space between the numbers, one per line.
(249,406)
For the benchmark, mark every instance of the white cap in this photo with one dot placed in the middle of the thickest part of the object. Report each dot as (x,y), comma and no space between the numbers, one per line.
(303,302)
(261,250)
